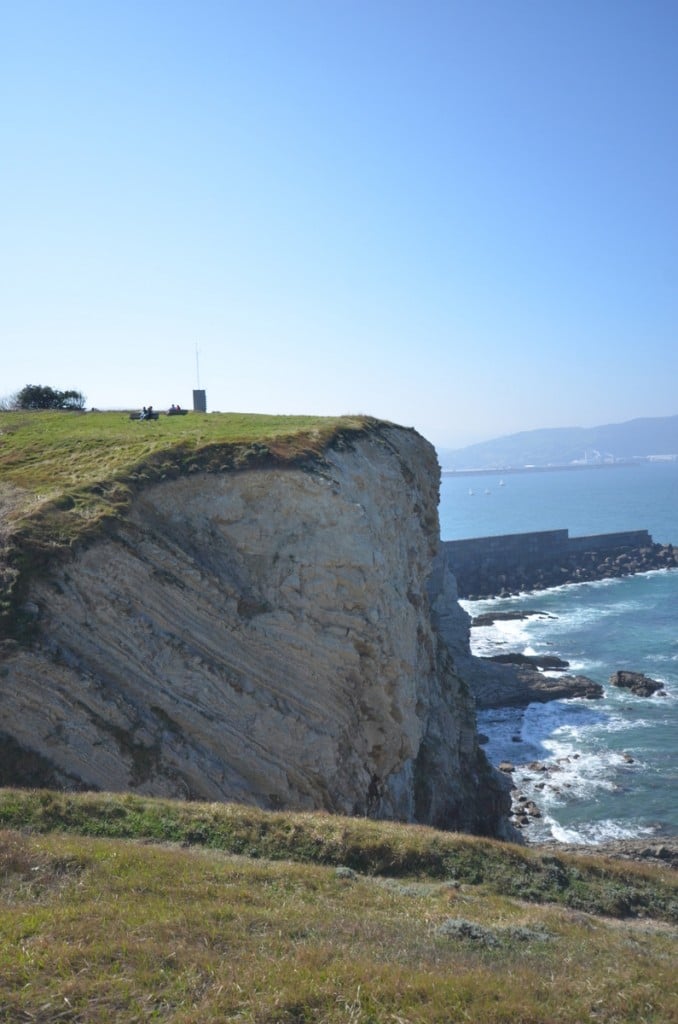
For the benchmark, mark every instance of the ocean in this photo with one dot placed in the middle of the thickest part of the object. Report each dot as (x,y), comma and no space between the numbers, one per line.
(597,770)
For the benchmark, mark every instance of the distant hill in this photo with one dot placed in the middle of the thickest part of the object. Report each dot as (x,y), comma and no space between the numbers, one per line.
(562,446)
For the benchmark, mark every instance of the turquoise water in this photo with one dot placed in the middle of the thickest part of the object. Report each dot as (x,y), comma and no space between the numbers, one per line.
(613,765)
(584,501)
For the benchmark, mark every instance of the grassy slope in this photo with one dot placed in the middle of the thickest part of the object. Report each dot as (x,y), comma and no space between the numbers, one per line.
(65,476)
(246,917)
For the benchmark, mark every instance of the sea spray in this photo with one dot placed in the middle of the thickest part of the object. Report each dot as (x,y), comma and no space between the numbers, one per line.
(595,770)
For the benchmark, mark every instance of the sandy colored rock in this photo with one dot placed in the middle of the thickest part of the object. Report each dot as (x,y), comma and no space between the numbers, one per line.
(264,636)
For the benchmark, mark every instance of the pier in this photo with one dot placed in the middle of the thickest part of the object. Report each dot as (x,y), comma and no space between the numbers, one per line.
(510,563)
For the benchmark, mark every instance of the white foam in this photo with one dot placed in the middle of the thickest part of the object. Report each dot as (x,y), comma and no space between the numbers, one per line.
(618,723)
(595,832)
(585,666)
(597,627)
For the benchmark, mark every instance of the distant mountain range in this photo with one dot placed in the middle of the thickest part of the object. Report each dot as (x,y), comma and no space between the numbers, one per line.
(564,446)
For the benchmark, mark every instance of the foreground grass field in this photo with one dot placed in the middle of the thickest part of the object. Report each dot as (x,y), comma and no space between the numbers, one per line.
(315,919)
(64,476)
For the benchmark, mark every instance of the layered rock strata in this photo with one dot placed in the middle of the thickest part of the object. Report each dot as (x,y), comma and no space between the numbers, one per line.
(268,636)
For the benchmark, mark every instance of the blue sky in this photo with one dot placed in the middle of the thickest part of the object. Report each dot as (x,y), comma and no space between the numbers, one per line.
(460,216)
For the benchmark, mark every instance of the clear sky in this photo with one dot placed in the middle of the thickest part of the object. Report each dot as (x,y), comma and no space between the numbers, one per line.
(461,215)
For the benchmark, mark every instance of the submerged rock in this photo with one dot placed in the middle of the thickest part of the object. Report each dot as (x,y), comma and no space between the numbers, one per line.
(550,662)
(488,618)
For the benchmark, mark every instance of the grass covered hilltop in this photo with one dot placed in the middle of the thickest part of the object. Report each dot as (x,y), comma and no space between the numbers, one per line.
(120,908)
(65,475)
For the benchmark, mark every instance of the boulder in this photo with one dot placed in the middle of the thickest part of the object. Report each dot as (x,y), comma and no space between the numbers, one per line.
(638,683)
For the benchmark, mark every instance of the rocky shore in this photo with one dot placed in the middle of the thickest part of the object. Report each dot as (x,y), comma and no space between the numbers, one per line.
(512,679)
(497,685)
(660,852)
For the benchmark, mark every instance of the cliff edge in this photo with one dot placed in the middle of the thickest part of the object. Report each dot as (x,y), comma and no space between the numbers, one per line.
(265,636)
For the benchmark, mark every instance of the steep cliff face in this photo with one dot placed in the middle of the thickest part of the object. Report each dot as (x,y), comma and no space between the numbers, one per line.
(263,636)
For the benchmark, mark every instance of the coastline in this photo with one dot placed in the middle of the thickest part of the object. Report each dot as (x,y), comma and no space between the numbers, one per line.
(560,757)
(660,853)
(511,470)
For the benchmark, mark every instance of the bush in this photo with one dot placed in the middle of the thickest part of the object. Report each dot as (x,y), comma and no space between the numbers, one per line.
(35,396)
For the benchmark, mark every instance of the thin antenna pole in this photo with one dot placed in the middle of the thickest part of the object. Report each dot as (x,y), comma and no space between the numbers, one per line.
(197,366)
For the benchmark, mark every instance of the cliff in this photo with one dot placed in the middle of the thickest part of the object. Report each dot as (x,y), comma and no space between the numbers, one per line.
(268,636)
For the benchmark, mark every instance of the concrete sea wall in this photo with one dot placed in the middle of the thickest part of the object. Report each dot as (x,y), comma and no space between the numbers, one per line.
(501,565)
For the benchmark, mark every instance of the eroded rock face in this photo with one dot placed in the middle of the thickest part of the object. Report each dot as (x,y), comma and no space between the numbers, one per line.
(263,636)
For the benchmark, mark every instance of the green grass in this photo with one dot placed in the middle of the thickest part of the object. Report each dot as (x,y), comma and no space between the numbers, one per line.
(370,847)
(66,477)
(426,929)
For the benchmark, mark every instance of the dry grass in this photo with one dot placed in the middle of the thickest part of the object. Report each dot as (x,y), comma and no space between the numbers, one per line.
(100,930)
(379,848)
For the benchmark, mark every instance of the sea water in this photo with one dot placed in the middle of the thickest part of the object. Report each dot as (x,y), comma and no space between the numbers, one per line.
(612,763)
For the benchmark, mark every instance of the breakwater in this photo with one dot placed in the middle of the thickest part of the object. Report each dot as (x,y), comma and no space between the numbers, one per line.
(510,563)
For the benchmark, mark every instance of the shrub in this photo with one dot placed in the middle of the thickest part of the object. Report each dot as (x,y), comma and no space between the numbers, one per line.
(35,396)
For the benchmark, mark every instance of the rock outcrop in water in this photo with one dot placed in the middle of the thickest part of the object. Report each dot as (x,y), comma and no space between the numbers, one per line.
(271,636)
(636,682)
(510,680)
